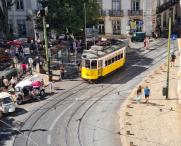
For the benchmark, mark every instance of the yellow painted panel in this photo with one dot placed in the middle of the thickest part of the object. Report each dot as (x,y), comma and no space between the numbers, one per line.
(108,69)
(90,74)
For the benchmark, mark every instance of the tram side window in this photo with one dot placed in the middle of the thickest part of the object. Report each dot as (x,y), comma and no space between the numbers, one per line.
(106,63)
(112,60)
(119,57)
(116,58)
(94,64)
(109,61)
(87,63)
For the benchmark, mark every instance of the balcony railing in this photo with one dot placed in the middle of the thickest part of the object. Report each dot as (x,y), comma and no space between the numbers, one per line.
(166,6)
(116,13)
(135,13)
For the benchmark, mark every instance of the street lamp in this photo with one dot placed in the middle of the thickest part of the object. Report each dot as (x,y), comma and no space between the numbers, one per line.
(168,54)
(85,18)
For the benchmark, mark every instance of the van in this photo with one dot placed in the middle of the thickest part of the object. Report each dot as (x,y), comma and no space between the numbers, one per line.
(7,104)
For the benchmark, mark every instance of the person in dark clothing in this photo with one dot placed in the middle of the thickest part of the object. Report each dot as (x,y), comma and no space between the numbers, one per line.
(173,57)
(34,65)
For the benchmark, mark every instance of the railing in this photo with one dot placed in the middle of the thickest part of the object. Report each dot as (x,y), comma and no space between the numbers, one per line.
(116,13)
(166,6)
(135,12)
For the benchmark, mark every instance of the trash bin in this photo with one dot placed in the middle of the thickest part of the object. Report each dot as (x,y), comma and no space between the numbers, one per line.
(50,75)
(164,91)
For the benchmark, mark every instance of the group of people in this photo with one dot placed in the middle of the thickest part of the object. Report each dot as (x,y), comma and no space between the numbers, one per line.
(139,94)
(5,83)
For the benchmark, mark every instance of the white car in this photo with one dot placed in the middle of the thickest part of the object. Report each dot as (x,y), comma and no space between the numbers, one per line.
(7,104)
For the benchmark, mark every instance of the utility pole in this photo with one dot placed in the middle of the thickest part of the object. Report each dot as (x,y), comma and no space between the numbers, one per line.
(43,13)
(85,18)
(46,46)
(168,56)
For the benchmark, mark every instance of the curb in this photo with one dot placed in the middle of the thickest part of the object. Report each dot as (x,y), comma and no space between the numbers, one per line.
(124,105)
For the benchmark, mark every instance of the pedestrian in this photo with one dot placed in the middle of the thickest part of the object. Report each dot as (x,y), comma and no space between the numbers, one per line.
(61,73)
(173,57)
(13,81)
(144,42)
(51,85)
(146,94)
(156,35)
(139,94)
(34,65)
(6,83)
(24,68)
(147,42)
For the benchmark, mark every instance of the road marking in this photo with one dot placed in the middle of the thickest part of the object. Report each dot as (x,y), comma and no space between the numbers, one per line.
(49,139)
(56,120)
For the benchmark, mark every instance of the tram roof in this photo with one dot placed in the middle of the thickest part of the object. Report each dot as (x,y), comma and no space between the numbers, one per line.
(96,51)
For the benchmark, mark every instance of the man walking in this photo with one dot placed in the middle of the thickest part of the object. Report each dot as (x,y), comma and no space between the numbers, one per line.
(173,57)
(146,94)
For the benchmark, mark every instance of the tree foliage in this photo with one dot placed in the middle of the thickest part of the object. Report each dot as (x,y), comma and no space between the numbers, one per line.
(69,14)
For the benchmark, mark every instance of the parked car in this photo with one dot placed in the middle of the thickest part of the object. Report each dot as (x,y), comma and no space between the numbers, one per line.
(7,104)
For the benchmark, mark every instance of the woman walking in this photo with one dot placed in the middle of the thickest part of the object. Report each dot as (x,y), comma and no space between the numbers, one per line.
(139,94)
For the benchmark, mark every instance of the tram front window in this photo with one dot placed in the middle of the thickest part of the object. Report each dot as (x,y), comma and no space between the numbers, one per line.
(87,63)
(94,64)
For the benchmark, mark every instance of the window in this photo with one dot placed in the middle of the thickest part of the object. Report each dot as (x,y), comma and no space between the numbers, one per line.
(19,5)
(119,57)
(116,5)
(106,63)
(10,26)
(94,64)
(116,58)
(135,5)
(109,61)
(116,24)
(21,27)
(87,63)
(112,60)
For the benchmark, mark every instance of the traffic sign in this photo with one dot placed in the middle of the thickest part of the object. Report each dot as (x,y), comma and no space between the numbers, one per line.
(174,37)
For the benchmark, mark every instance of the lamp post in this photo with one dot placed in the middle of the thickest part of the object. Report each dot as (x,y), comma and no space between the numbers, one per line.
(168,56)
(85,18)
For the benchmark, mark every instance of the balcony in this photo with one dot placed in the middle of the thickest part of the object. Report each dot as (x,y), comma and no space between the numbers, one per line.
(166,6)
(135,13)
(116,13)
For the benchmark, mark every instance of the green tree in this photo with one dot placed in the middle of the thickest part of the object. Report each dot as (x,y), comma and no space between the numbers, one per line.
(69,14)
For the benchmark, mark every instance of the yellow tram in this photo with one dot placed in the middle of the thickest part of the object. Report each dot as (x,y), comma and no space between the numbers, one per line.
(99,61)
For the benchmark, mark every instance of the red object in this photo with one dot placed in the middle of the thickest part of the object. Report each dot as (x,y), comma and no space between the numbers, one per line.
(23,66)
(15,42)
(36,84)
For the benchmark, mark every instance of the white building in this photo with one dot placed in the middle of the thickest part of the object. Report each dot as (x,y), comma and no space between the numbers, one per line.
(124,16)
(20,18)
(164,8)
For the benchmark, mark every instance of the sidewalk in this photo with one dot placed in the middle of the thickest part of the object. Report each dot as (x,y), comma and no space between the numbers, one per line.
(159,122)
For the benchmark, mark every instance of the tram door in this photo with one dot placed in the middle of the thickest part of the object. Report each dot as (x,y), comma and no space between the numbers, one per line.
(99,67)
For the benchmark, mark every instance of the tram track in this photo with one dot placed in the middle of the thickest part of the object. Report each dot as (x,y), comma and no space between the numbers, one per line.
(68,96)
(47,109)
(97,100)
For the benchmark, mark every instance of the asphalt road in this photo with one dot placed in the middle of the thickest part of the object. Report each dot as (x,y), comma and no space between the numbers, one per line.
(83,114)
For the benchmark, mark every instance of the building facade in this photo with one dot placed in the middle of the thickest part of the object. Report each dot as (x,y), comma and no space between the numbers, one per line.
(166,8)
(21,18)
(125,16)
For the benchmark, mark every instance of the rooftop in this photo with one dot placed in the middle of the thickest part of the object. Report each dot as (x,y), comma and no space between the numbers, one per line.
(100,50)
